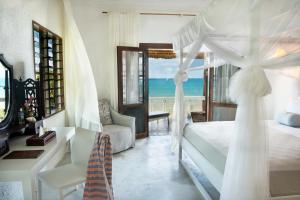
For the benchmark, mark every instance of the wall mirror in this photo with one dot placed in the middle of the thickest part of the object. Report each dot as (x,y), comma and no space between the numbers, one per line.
(6,99)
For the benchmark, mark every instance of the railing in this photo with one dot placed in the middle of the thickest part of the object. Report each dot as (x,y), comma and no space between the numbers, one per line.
(191,103)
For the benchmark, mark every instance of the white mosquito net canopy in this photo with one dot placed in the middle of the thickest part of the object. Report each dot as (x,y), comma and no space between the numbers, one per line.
(253,35)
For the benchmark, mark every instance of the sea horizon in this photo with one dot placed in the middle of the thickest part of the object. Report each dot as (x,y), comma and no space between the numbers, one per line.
(165,87)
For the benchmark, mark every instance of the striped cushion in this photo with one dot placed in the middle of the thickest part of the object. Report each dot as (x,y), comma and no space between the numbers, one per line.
(98,184)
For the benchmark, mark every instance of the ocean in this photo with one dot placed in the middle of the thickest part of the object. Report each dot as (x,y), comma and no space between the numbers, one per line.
(159,87)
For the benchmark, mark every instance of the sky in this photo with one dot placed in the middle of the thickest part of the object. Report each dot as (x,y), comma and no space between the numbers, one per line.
(167,68)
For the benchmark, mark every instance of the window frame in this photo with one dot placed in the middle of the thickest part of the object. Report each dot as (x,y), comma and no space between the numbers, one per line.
(50,64)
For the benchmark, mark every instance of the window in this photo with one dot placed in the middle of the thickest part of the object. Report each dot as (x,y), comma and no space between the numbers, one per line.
(48,67)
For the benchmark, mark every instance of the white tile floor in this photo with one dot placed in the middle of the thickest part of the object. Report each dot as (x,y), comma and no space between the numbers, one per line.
(147,172)
(159,127)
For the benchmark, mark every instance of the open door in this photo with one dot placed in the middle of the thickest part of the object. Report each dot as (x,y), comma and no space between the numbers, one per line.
(133,86)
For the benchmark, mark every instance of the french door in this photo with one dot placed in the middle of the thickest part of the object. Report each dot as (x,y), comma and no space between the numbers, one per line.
(132,65)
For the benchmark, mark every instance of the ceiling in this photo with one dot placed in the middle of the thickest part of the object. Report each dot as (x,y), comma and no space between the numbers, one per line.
(181,6)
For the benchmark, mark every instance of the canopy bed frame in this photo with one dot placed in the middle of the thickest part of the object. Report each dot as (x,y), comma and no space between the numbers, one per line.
(254,36)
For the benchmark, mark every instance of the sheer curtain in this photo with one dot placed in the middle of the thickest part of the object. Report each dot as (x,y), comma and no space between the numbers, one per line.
(123,30)
(80,88)
(248,34)
(222,77)
(132,77)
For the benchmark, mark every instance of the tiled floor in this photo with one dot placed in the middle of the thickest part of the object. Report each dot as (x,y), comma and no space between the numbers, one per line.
(159,127)
(150,171)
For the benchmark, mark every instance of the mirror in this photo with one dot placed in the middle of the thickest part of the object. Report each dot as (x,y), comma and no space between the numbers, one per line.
(6,113)
(4,91)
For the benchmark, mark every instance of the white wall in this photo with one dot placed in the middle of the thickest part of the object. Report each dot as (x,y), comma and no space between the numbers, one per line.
(93,27)
(160,29)
(284,89)
(16,30)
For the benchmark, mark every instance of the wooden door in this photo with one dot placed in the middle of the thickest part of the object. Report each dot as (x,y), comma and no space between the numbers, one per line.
(133,86)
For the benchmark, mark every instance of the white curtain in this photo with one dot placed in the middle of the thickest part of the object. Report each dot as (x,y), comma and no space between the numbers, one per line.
(222,77)
(132,77)
(123,30)
(252,35)
(80,89)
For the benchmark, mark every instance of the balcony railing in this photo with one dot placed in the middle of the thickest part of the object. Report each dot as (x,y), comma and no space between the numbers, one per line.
(192,104)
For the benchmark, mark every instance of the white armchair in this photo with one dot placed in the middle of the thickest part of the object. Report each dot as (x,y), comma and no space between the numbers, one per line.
(120,128)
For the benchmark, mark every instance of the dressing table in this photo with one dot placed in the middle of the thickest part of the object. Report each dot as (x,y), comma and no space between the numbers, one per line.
(25,170)
(18,176)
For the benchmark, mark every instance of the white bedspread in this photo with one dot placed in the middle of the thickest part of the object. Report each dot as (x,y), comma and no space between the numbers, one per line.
(284,142)
(212,140)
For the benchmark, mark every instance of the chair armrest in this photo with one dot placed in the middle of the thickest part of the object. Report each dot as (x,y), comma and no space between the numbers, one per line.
(124,120)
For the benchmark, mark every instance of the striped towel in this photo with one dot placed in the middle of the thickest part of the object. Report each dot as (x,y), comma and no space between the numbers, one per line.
(98,184)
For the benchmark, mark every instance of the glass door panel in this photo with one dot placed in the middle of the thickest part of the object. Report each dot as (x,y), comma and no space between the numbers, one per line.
(133,86)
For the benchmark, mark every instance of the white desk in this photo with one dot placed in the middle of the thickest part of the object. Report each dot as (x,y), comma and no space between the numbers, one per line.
(25,170)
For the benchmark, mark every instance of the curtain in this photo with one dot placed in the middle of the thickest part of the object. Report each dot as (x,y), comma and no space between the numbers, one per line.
(251,35)
(132,77)
(222,77)
(80,89)
(123,30)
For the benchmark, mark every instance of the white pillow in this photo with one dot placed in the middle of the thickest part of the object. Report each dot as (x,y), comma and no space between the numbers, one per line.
(289,119)
(294,106)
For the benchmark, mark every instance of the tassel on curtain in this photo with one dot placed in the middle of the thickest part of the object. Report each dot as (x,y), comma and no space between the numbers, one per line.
(80,88)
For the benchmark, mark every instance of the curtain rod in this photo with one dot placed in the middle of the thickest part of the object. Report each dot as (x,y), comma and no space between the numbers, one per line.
(168,14)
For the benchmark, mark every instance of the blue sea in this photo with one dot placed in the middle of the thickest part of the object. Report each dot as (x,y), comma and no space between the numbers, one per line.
(159,87)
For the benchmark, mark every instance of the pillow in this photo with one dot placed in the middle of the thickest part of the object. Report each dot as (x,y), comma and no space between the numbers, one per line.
(104,112)
(294,106)
(289,119)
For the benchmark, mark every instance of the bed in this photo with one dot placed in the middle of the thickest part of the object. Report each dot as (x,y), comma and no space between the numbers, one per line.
(206,144)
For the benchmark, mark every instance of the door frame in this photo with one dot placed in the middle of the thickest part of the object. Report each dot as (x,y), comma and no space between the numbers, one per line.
(145,47)
(121,109)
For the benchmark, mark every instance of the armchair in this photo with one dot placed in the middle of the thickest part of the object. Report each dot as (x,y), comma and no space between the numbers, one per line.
(120,128)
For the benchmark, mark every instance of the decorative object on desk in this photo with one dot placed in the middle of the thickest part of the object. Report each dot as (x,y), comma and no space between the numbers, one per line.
(31,120)
(4,147)
(21,117)
(29,106)
(28,154)
(41,131)
(30,129)
(27,97)
(38,125)
(37,140)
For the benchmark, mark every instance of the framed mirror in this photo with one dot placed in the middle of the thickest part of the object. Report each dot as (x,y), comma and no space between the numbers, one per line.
(6,93)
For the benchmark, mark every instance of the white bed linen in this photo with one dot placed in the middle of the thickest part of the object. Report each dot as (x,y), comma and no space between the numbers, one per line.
(211,140)
(284,141)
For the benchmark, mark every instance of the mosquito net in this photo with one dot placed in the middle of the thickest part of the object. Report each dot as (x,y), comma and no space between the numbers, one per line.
(253,35)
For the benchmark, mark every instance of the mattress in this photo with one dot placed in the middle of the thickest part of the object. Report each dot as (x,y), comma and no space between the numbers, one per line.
(212,140)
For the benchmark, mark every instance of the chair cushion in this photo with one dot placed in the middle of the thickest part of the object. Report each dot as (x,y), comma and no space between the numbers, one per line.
(104,112)
(63,176)
(120,137)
